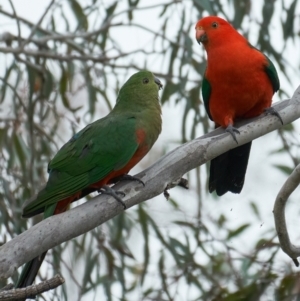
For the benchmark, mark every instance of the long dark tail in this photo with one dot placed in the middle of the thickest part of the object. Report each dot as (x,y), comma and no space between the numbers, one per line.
(227,171)
(30,271)
(32,267)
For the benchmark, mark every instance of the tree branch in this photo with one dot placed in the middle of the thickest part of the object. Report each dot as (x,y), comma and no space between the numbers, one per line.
(31,291)
(36,26)
(65,57)
(279,215)
(41,41)
(60,228)
(44,31)
(18,22)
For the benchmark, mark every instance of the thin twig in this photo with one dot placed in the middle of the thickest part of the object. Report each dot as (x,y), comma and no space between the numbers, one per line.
(42,30)
(33,290)
(37,25)
(12,88)
(8,119)
(133,8)
(7,287)
(82,35)
(155,33)
(37,68)
(279,215)
(44,133)
(64,58)
(18,21)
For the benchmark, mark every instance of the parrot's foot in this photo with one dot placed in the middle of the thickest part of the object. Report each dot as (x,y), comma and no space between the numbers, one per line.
(272,111)
(127,177)
(232,130)
(114,193)
(182,182)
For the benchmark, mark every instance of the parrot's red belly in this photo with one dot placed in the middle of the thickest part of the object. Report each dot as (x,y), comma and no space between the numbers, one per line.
(240,98)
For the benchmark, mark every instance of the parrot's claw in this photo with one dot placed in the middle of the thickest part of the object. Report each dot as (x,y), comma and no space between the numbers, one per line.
(232,130)
(272,111)
(114,193)
(127,177)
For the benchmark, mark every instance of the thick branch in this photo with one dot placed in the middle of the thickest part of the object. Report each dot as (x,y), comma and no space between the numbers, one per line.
(279,215)
(60,228)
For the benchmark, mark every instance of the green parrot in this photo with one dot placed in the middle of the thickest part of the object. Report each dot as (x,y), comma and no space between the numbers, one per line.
(100,154)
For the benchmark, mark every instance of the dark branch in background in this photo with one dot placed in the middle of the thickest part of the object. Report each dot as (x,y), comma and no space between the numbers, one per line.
(65,38)
(279,215)
(18,22)
(31,291)
(82,35)
(36,26)
(35,67)
(31,49)
(41,41)
(27,40)
(42,30)
(63,57)
(156,34)
(60,228)
(45,52)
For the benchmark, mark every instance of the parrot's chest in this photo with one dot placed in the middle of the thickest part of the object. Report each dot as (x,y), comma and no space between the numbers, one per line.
(236,93)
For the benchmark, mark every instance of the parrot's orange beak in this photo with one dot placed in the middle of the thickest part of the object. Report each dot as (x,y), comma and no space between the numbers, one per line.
(200,34)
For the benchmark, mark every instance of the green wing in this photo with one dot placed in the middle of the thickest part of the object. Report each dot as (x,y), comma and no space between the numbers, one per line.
(206,91)
(91,154)
(272,74)
(270,70)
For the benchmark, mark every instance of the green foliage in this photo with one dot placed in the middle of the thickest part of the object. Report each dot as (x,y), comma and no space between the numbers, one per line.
(67,75)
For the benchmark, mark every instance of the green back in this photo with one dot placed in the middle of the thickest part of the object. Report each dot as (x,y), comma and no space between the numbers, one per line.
(103,146)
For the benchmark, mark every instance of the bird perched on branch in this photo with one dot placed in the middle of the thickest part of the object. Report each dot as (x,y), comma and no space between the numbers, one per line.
(100,154)
(238,83)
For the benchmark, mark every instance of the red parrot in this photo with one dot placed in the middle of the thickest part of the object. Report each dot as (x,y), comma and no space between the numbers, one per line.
(238,83)
(100,154)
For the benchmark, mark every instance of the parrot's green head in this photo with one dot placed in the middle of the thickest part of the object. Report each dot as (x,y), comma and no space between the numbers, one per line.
(141,88)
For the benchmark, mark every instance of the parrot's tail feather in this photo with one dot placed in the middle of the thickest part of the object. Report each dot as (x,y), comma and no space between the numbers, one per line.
(227,171)
(30,271)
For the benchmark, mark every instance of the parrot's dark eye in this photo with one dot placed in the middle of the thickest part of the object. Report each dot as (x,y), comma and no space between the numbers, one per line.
(145,80)
(214,25)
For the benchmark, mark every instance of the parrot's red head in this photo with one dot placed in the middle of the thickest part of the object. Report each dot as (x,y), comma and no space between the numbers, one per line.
(213,29)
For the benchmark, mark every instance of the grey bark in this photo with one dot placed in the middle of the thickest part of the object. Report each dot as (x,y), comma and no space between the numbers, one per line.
(31,291)
(279,215)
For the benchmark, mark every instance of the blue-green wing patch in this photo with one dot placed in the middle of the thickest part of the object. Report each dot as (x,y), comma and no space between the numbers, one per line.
(206,91)
(271,71)
(272,74)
